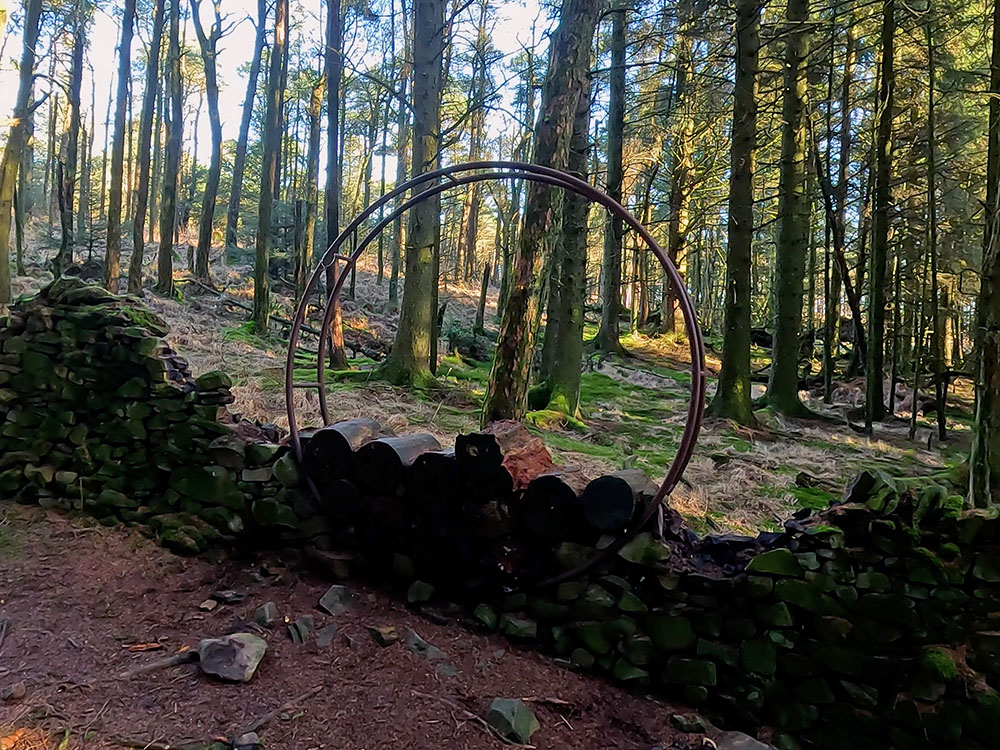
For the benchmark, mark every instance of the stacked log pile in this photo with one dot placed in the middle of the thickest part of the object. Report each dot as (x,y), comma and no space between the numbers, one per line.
(100,414)
(459,517)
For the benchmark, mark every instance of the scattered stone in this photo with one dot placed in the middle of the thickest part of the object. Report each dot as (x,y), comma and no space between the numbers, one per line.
(740,741)
(690,723)
(229,596)
(233,657)
(266,614)
(419,591)
(416,644)
(247,741)
(337,600)
(208,605)
(325,635)
(383,635)
(512,719)
(15,692)
(300,630)
(447,670)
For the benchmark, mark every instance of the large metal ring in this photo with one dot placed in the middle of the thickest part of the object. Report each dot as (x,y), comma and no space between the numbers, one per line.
(429,184)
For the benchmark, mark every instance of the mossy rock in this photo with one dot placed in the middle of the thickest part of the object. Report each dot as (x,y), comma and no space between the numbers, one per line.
(670,632)
(780,562)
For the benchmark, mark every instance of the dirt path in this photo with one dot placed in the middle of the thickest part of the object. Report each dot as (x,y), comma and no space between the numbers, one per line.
(78,596)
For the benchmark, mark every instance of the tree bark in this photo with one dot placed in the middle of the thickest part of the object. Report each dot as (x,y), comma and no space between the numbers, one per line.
(680,167)
(874,397)
(409,361)
(569,58)
(209,43)
(732,399)
(240,158)
(564,379)
(268,175)
(402,150)
(611,261)
(67,182)
(172,159)
(305,262)
(334,68)
(113,246)
(984,458)
(793,213)
(16,141)
(145,138)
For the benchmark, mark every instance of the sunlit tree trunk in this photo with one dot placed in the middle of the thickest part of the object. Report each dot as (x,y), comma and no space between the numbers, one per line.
(69,164)
(874,398)
(611,262)
(209,43)
(172,158)
(268,173)
(985,456)
(732,399)
(239,160)
(569,58)
(409,361)
(16,140)
(305,262)
(680,167)
(564,378)
(402,153)
(334,68)
(114,241)
(793,215)
(144,147)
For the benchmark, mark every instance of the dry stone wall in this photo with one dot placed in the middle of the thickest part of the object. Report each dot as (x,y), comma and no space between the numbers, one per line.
(872,624)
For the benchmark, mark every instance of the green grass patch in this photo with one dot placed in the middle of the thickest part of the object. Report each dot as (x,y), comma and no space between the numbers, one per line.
(811,497)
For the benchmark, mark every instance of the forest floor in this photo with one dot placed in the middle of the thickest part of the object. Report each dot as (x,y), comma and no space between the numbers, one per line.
(633,410)
(86,604)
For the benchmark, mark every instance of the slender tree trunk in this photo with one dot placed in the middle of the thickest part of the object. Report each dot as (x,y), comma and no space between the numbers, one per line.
(158,143)
(269,167)
(874,397)
(611,262)
(305,261)
(409,361)
(569,58)
(209,43)
(937,346)
(793,213)
(239,160)
(16,140)
(104,154)
(67,182)
(680,167)
(564,378)
(172,159)
(334,68)
(402,149)
(732,399)
(114,240)
(145,138)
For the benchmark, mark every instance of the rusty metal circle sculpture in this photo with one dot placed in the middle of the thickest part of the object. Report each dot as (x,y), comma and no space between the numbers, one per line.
(433,183)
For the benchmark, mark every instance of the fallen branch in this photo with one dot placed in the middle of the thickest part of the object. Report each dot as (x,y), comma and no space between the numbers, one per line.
(271,715)
(469,716)
(4,624)
(184,657)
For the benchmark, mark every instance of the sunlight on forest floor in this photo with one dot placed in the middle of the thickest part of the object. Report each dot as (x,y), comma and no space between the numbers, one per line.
(633,411)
